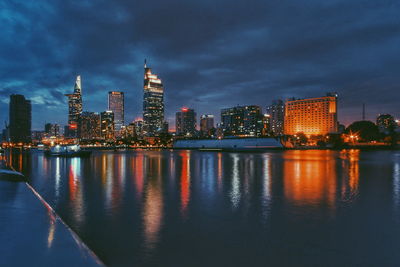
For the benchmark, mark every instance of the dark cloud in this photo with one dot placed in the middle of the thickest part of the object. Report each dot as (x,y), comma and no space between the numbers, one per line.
(210,54)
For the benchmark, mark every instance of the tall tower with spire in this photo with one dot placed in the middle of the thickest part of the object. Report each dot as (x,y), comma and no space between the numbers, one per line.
(74,108)
(153,103)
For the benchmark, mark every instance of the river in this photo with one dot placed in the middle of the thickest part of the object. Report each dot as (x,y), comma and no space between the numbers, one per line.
(194,208)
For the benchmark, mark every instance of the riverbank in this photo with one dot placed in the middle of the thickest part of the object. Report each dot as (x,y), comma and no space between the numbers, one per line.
(32,233)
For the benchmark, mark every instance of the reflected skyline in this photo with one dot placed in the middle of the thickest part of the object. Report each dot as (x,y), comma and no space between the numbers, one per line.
(150,207)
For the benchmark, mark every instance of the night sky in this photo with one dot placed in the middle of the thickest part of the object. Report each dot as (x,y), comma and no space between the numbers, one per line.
(210,54)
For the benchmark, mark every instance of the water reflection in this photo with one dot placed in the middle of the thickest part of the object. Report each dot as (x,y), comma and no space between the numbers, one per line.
(235,191)
(139,173)
(350,166)
(310,177)
(185,181)
(396,184)
(76,191)
(52,227)
(57,178)
(153,205)
(220,171)
(266,185)
(138,206)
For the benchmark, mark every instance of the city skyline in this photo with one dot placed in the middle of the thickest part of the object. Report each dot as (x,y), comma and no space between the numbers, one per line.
(207,56)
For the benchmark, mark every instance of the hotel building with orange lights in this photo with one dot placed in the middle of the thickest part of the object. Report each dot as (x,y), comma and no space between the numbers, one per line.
(311,116)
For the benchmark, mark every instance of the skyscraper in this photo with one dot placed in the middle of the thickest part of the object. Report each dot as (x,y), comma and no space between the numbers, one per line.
(20,119)
(74,108)
(276,117)
(242,120)
(186,122)
(153,103)
(312,116)
(89,126)
(107,125)
(52,129)
(116,105)
(206,124)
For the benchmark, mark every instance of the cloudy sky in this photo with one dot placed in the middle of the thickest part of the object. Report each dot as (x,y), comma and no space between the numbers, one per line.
(210,54)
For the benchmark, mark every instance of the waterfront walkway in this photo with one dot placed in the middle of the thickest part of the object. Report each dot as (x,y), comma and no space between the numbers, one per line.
(31,234)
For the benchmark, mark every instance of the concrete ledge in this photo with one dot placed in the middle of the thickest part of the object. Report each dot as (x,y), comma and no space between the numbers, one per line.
(32,234)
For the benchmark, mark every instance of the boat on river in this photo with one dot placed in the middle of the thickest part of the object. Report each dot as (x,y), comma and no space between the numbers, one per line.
(67,151)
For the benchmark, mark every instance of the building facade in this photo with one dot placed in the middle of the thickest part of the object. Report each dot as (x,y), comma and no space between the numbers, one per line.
(185,122)
(74,109)
(89,126)
(311,116)
(206,124)
(116,105)
(242,121)
(107,125)
(153,103)
(20,114)
(276,113)
(52,129)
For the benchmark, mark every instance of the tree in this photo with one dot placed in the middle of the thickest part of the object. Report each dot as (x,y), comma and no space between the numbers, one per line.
(364,130)
(301,138)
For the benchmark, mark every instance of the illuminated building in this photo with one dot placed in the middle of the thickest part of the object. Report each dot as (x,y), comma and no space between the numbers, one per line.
(52,129)
(186,122)
(138,127)
(116,105)
(74,109)
(107,125)
(135,129)
(386,123)
(37,136)
(20,119)
(276,117)
(89,126)
(312,116)
(130,130)
(153,103)
(242,121)
(206,124)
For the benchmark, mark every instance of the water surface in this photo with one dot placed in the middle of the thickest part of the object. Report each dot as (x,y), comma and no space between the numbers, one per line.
(192,208)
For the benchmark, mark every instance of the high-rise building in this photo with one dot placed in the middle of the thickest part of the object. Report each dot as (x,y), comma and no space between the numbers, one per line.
(386,123)
(311,116)
(206,124)
(116,105)
(153,103)
(89,126)
(252,120)
(52,129)
(242,120)
(20,119)
(276,112)
(74,109)
(107,125)
(186,122)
